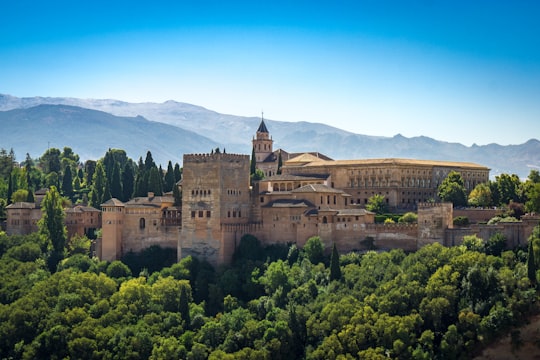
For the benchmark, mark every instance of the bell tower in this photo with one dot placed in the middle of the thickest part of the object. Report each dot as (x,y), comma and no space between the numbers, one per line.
(262,143)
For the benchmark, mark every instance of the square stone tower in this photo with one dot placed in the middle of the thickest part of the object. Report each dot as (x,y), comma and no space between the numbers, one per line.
(215,193)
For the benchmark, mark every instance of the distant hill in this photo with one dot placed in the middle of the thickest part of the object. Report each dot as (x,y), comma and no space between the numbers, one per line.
(193,128)
(90,133)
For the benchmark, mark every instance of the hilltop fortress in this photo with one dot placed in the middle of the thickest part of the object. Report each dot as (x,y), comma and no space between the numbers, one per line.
(302,195)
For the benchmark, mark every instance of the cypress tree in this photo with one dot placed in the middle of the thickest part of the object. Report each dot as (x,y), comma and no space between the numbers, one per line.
(154,182)
(253,165)
(531,263)
(184,306)
(10,188)
(279,164)
(116,184)
(128,179)
(99,182)
(177,173)
(67,183)
(335,269)
(169,178)
(177,195)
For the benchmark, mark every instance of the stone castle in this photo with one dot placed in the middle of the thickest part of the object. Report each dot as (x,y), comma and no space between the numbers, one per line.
(302,195)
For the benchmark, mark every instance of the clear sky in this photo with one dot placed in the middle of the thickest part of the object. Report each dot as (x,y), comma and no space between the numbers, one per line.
(458,71)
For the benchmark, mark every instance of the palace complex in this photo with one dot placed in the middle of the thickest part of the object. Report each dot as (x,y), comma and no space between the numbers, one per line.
(302,195)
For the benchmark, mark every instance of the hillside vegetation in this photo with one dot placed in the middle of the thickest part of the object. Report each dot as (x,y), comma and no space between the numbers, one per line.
(276,302)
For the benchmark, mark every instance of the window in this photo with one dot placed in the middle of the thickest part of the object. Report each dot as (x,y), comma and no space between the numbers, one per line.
(142,223)
(207,213)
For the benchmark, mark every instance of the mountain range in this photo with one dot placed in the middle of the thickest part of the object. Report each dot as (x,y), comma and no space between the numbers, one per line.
(171,129)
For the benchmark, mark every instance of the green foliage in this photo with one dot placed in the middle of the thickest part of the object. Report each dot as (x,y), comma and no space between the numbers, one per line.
(377,204)
(314,250)
(481,196)
(51,226)
(408,218)
(335,269)
(452,189)
(153,259)
(437,302)
(461,221)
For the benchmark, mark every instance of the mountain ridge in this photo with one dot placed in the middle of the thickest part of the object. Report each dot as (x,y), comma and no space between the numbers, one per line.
(212,129)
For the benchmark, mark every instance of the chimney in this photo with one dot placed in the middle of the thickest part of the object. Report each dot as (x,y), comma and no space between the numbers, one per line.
(150,194)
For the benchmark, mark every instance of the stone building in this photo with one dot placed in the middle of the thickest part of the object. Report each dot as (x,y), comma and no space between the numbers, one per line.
(82,220)
(138,224)
(23,217)
(215,193)
(308,195)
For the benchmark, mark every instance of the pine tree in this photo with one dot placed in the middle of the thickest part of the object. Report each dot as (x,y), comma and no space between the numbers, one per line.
(531,263)
(335,269)
(51,226)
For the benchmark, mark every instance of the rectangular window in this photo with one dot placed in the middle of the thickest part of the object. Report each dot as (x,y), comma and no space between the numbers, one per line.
(207,213)
(193,214)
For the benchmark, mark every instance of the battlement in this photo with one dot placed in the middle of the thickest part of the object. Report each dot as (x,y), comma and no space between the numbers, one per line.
(215,157)
(430,205)
(392,227)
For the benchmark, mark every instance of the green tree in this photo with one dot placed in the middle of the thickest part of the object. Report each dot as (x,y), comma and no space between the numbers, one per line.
(408,218)
(452,189)
(508,188)
(183,304)
(253,163)
(533,198)
(531,263)
(128,178)
(314,250)
(51,226)
(169,178)
(50,161)
(67,183)
(177,172)
(480,196)
(116,183)
(20,195)
(335,269)
(280,163)
(496,244)
(377,204)
(177,195)
(99,184)
(154,182)
(89,170)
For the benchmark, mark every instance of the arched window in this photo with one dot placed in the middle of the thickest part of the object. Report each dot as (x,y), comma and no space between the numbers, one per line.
(324,220)
(142,223)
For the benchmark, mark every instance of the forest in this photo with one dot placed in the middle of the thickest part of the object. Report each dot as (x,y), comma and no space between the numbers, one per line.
(271,302)
(276,302)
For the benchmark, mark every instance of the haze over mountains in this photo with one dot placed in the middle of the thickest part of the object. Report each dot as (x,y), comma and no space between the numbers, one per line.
(170,129)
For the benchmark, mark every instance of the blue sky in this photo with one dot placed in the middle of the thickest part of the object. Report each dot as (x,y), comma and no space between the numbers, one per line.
(460,71)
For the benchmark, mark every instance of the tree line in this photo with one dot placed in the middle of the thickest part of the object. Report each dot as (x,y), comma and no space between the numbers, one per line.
(90,183)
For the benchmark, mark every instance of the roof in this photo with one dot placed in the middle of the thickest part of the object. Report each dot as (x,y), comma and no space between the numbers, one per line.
(262,127)
(81,208)
(112,202)
(288,203)
(303,159)
(286,156)
(289,177)
(394,161)
(354,212)
(21,205)
(153,201)
(316,188)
